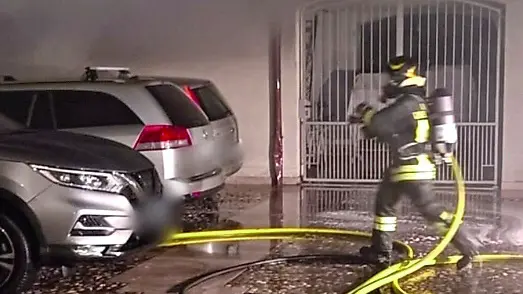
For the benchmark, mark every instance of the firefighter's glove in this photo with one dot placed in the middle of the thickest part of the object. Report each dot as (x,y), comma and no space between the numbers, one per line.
(447,158)
(361,112)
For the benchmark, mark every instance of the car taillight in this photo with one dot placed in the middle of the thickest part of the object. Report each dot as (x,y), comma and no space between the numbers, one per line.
(161,137)
(191,95)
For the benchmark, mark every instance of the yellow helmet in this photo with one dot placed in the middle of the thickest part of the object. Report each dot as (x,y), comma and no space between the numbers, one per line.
(402,66)
(403,78)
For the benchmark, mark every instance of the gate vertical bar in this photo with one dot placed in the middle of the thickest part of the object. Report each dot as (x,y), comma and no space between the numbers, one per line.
(436,58)
(400,24)
(498,156)
(355,61)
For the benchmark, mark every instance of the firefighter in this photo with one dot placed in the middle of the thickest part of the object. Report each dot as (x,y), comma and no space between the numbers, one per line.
(404,125)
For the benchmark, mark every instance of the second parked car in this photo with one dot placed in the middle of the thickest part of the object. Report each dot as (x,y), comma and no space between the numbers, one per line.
(223,120)
(152,116)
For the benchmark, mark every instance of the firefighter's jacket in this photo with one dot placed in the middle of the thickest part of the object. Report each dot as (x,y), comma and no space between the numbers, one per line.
(404,126)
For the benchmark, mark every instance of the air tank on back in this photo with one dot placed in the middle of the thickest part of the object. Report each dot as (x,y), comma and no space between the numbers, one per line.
(444,134)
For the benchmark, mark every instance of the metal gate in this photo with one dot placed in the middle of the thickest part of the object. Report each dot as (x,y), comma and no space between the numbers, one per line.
(343,46)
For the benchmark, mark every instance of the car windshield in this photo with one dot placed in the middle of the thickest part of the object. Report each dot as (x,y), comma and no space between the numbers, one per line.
(8,125)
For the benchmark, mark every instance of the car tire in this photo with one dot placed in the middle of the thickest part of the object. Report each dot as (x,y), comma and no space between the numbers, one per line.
(16,252)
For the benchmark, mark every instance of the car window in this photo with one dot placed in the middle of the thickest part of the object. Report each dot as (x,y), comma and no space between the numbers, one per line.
(8,125)
(16,105)
(212,102)
(178,107)
(84,109)
(42,115)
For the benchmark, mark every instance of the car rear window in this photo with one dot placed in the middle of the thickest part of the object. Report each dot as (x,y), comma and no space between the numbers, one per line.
(180,110)
(212,102)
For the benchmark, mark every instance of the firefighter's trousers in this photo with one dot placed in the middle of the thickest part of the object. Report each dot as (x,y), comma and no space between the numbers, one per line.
(421,195)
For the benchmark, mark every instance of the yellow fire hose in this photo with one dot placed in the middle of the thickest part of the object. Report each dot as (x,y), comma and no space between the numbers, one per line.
(391,275)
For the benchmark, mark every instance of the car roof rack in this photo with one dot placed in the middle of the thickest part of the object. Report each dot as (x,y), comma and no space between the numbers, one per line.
(8,78)
(92,73)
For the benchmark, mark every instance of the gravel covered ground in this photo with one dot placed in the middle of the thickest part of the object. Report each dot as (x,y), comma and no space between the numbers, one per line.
(490,278)
(315,277)
(87,279)
(319,277)
(498,277)
(501,277)
(93,278)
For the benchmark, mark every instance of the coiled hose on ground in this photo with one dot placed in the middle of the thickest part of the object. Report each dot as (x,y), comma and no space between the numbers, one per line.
(391,275)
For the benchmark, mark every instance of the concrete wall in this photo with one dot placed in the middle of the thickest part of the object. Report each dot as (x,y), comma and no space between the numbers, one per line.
(224,40)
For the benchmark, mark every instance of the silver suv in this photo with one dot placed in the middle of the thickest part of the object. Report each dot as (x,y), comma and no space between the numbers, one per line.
(151,116)
(67,197)
(223,120)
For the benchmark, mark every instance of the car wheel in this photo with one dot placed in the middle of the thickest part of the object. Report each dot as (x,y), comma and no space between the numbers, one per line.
(17,271)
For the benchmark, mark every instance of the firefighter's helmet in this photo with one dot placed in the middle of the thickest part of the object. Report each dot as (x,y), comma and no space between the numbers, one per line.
(404,77)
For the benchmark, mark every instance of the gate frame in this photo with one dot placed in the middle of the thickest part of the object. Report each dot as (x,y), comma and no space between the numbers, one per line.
(300,59)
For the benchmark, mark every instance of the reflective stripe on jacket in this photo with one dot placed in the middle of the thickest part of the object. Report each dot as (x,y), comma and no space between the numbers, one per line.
(403,123)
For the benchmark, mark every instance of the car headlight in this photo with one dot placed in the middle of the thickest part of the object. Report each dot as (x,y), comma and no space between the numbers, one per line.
(88,180)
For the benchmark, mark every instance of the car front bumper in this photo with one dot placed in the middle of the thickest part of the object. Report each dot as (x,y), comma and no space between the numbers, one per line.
(58,255)
(86,225)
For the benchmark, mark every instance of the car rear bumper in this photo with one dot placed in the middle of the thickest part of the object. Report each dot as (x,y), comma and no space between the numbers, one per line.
(194,187)
(188,171)
(232,167)
(231,157)
(207,194)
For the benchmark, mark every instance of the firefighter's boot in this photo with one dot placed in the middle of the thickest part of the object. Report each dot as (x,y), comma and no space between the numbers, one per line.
(380,259)
(467,247)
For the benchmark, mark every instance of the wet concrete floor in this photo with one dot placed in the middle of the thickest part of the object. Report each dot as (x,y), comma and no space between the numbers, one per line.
(497,225)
